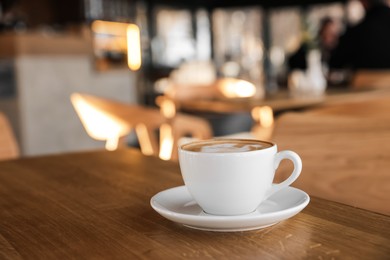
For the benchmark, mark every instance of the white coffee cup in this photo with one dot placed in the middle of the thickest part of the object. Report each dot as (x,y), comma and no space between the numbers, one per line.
(233,176)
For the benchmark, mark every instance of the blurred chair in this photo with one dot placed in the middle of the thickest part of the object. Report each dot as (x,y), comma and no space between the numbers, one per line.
(8,145)
(371,79)
(263,125)
(345,151)
(109,120)
(263,117)
(187,125)
(179,128)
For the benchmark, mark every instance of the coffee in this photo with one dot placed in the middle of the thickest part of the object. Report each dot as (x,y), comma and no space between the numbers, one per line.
(230,177)
(226,146)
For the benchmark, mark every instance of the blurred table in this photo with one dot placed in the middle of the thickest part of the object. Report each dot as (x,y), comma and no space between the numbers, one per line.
(280,101)
(96,205)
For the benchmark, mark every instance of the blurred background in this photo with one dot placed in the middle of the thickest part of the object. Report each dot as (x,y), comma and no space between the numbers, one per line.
(135,51)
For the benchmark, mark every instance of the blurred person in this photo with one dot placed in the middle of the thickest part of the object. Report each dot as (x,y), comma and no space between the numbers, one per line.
(326,41)
(366,45)
(328,35)
(11,16)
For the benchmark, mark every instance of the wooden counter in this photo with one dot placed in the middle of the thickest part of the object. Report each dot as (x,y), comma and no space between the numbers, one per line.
(40,43)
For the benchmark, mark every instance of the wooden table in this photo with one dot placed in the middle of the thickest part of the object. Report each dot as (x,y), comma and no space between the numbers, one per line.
(95,205)
(345,159)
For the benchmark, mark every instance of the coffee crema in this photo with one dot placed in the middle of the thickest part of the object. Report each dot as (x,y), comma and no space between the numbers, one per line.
(226,146)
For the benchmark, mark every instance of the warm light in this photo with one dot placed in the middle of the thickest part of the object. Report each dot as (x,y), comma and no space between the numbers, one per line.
(98,124)
(127,37)
(264,115)
(110,36)
(166,142)
(144,139)
(111,28)
(168,108)
(236,88)
(355,12)
(133,47)
(277,56)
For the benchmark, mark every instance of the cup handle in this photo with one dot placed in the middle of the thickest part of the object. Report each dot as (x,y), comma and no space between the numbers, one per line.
(294,157)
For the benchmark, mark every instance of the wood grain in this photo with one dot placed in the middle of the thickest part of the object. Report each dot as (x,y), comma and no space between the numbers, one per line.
(371,79)
(345,159)
(377,107)
(96,206)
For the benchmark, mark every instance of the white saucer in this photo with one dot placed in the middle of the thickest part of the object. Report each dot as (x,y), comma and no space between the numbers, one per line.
(176,204)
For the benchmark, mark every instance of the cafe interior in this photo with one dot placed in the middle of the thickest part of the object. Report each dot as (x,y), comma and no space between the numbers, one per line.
(85,76)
